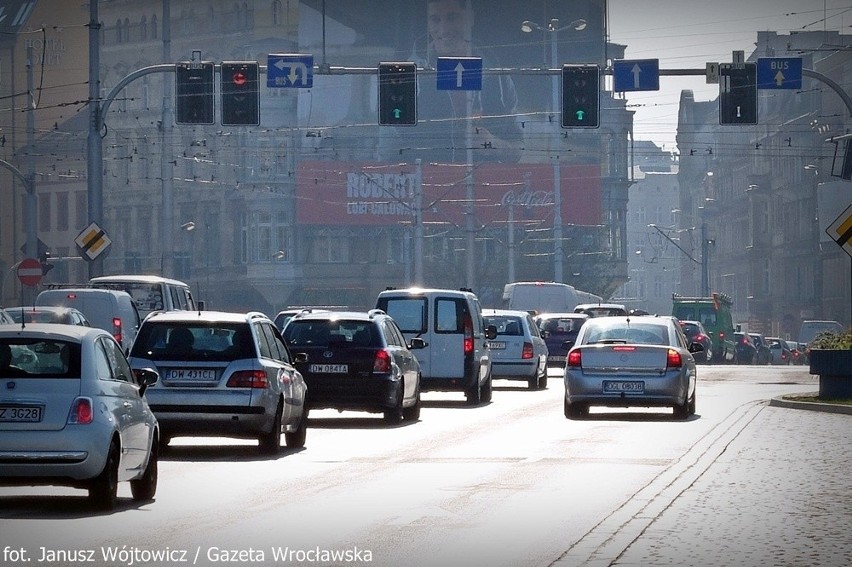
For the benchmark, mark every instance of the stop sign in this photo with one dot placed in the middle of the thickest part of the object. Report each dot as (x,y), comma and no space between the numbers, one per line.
(29,272)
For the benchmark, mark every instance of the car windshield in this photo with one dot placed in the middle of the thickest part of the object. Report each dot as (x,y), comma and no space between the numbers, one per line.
(624,331)
(312,333)
(39,358)
(182,341)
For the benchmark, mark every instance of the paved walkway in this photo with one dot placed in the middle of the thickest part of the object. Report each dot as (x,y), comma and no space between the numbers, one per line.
(780,495)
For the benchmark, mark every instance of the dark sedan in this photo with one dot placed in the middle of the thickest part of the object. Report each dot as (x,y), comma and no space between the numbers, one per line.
(559,331)
(695,333)
(357,361)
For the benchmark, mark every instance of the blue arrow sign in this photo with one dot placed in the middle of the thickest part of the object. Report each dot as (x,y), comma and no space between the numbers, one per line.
(290,70)
(459,74)
(779,73)
(636,75)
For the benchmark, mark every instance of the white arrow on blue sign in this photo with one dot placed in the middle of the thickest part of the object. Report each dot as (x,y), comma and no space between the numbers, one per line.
(636,75)
(290,70)
(779,73)
(459,74)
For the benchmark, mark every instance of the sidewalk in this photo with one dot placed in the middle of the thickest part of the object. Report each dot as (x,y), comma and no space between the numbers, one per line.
(780,494)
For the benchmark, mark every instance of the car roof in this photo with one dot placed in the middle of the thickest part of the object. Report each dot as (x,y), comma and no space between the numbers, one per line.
(512,312)
(43,308)
(416,291)
(203,317)
(561,315)
(137,278)
(51,330)
(334,315)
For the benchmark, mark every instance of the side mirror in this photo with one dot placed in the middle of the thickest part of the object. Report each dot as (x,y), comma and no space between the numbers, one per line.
(417,343)
(144,378)
(491,332)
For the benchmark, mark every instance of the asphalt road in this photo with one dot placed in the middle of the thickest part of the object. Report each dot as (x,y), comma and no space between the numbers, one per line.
(509,483)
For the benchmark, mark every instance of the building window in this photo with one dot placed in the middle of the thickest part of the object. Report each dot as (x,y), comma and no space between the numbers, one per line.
(126,30)
(62,210)
(266,237)
(143,28)
(44,212)
(81,210)
(154,26)
(276,13)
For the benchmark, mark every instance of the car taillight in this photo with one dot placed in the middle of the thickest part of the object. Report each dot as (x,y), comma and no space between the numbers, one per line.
(116,329)
(468,335)
(673,359)
(575,358)
(528,351)
(382,362)
(721,335)
(81,412)
(699,337)
(248,379)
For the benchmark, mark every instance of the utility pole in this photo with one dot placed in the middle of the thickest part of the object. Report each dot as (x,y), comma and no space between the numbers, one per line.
(95,142)
(31,203)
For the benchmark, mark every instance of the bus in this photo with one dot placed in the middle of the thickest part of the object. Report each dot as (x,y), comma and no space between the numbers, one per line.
(545,297)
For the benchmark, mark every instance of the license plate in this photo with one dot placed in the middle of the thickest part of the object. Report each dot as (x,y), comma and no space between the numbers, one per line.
(497,345)
(20,414)
(555,359)
(329,368)
(199,374)
(611,386)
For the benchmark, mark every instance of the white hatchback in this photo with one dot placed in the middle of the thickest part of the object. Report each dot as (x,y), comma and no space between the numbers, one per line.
(72,413)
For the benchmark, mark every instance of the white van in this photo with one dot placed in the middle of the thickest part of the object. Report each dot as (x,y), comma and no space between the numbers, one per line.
(107,309)
(456,357)
(151,293)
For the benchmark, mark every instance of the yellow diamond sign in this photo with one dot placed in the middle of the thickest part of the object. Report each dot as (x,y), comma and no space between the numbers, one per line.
(841,230)
(92,242)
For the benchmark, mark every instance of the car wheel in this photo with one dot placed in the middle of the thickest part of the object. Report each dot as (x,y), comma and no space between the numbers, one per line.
(104,489)
(270,443)
(473,395)
(575,410)
(145,487)
(296,439)
(542,383)
(691,409)
(487,390)
(708,356)
(163,442)
(394,415)
(681,411)
(412,413)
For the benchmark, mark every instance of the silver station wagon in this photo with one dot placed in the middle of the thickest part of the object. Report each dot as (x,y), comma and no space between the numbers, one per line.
(222,374)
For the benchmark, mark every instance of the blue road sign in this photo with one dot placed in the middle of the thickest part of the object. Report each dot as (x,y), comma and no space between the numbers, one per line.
(290,70)
(779,73)
(636,75)
(459,74)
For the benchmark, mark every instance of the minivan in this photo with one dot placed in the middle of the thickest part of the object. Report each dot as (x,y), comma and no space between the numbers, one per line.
(456,355)
(107,309)
(151,293)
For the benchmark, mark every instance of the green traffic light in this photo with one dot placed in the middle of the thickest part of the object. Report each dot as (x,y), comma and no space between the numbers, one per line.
(397,113)
(580,114)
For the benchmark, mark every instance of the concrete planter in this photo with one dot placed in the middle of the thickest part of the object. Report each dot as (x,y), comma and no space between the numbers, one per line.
(834,368)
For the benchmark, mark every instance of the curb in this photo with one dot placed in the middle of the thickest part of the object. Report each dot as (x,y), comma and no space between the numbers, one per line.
(784,402)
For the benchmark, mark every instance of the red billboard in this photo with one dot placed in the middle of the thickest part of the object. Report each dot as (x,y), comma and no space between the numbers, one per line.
(371,194)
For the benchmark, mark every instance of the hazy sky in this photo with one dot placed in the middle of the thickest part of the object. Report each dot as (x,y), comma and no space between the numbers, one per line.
(686,34)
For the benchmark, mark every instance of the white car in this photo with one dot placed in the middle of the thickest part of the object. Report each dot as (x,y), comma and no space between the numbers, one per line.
(72,413)
(518,352)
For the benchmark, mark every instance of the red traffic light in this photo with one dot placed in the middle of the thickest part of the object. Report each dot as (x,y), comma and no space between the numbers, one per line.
(239,78)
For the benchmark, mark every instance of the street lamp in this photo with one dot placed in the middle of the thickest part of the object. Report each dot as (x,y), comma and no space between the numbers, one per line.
(553,28)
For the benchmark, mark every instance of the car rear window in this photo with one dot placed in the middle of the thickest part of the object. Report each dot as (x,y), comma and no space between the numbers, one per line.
(39,358)
(345,333)
(408,312)
(506,325)
(207,341)
(628,333)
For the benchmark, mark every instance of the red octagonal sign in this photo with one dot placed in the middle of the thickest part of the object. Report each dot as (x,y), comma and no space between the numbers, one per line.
(30,272)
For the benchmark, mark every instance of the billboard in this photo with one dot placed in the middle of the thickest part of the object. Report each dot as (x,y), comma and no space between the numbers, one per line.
(370,194)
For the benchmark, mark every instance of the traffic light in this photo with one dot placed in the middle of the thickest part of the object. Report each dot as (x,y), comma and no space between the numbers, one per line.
(738,94)
(194,92)
(397,94)
(580,96)
(240,96)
